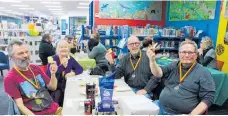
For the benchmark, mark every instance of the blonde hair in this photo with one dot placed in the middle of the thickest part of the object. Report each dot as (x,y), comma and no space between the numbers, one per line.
(62,42)
(207,41)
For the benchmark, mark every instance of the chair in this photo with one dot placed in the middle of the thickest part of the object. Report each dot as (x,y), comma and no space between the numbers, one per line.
(219,64)
(4,62)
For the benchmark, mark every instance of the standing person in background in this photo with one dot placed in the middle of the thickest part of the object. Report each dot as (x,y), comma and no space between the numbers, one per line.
(97,51)
(46,49)
(207,55)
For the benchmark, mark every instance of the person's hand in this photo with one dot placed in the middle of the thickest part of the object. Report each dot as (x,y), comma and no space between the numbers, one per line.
(141,92)
(53,68)
(108,56)
(65,62)
(151,53)
(71,74)
(200,51)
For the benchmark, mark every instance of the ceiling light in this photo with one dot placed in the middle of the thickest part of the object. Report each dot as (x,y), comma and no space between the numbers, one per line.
(27,8)
(84,3)
(2,8)
(54,6)
(83,7)
(6,10)
(50,2)
(20,5)
(55,9)
(15,1)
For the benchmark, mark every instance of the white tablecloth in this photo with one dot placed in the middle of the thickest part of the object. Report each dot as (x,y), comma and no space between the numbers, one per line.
(74,99)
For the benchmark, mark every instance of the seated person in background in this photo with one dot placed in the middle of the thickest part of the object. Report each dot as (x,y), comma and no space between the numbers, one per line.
(207,55)
(27,84)
(135,69)
(46,49)
(67,67)
(189,87)
(97,51)
(7,105)
(189,38)
(147,42)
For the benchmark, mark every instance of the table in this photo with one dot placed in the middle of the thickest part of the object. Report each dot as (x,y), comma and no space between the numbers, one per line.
(73,98)
(220,79)
(85,62)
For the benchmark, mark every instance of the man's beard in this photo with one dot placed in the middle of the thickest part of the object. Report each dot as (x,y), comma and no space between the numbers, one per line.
(22,63)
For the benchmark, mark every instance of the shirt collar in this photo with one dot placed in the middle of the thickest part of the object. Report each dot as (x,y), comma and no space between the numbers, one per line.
(136,56)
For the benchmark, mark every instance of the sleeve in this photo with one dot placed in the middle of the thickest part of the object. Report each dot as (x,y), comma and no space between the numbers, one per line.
(119,69)
(76,67)
(93,53)
(12,88)
(152,84)
(205,61)
(167,69)
(207,89)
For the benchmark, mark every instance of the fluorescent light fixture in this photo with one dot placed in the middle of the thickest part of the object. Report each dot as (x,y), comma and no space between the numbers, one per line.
(55,9)
(5,10)
(84,3)
(83,7)
(12,1)
(50,2)
(2,8)
(27,8)
(20,5)
(54,6)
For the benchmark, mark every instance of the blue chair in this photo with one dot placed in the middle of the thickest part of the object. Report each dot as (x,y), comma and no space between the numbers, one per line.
(4,62)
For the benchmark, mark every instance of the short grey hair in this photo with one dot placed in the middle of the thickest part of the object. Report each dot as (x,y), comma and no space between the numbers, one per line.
(11,44)
(207,41)
(189,42)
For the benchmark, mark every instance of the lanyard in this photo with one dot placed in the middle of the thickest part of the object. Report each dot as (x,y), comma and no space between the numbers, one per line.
(181,77)
(137,63)
(36,84)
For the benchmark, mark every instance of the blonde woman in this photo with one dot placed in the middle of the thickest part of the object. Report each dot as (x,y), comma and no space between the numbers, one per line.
(207,56)
(67,67)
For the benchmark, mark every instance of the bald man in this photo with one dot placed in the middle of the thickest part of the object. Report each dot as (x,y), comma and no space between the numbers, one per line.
(135,69)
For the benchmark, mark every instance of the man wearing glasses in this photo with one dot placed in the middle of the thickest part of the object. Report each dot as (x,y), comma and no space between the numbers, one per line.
(189,87)
(135,69)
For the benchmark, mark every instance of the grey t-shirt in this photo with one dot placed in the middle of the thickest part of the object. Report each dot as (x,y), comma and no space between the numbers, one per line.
(198,86)
(211,53)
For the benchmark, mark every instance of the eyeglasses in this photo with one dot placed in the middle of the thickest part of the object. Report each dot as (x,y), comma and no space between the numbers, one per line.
(134,44)
(187,52)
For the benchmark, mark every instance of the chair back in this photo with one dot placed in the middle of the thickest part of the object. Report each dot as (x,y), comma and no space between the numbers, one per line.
(4,59)
(219,64)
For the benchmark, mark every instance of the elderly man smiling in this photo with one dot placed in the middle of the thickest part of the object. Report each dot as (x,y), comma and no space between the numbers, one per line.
(27,84)
(135,69)
(189,87)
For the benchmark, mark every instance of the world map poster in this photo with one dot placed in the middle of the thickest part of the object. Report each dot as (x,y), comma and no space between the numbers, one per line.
(136,10)
(191,10)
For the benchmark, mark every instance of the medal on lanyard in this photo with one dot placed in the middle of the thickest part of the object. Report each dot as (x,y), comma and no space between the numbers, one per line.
(181,77)
(137,63)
